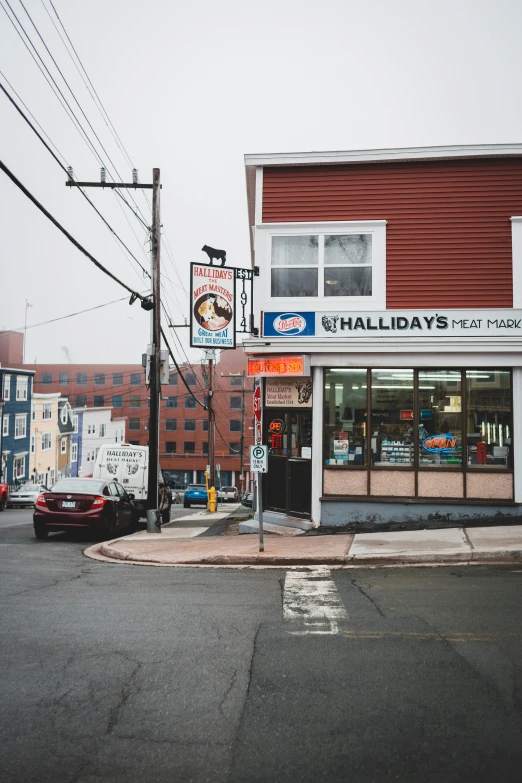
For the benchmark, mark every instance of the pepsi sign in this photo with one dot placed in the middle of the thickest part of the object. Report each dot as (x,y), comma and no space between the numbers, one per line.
(288,324)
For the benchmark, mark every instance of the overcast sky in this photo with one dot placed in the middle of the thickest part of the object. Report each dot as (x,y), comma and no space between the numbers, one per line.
(191,88)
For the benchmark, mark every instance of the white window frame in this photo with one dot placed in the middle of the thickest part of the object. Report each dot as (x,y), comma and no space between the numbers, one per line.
(22,387)
(103,430)
(21,463)
(74,452)
(47,408)
(5,427)
(75,423)
(19,419)
(33,444)
(7,388)
(64,415)
(263,243)
(63,446)
(47,436)
(516,254)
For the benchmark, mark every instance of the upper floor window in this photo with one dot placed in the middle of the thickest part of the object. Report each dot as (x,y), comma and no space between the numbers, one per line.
(63,379)
(190,402)
(172,402)
(81,379)
(103,430)
(75,423)
(117,401)
(22,384)
(117,379)
(5,428)
(327,260)
(99,379)
(47,378)
(135,378)
(135,402)
(7,388)
(236,380)
(81,400)
(99,401)
(190,378)
(173,379)
(47,410)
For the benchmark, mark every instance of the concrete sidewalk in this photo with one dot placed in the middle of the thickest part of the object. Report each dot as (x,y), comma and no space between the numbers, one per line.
(176,546)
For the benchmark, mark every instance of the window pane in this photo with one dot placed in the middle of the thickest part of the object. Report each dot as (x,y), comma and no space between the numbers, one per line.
(345,417)
(171,425)
(234,448)
(47,378)
(351,249)
(99,401)
(117,379)
(81,400)
(81,378)
(99,379)
(134,424)
(135,378)
(390,432)
(204,448)
(205,425)
(235,425)
(190,402)
(440,417)
(235,403)
(295,250)
(170,447)
(294,282)
(189,447)
(345,281)
(117,401)
(490,422)
(173,379)
(172,402)
(63,379)
(135,402)
(190,425)
(236,380)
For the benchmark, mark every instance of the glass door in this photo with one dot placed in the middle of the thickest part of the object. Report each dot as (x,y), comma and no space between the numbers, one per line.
(287,485)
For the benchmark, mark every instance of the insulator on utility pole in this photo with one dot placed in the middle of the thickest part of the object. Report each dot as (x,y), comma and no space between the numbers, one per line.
(103,175)
(134,176)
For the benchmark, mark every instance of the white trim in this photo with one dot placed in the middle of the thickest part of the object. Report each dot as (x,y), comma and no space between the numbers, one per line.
(258,210)
(6,387)
(18,418)
(394,153)
(349,350)
(5,425)
(317,444)
(516,251)
(263,236)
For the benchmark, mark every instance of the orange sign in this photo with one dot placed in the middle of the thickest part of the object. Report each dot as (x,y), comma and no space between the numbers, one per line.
(286,366)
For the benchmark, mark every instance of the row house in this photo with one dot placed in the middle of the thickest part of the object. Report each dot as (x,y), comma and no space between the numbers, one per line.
(93,428)
(389,300)
(15,424)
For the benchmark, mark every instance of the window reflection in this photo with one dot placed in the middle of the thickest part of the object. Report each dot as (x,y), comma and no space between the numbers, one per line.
(489,418)
(392,417)
(345,417)
(440,418)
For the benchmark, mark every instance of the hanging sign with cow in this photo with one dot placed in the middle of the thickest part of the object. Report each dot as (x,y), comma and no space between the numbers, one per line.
(288,392)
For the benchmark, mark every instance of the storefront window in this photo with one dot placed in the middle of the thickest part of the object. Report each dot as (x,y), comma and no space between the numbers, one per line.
(440,418)
(391,430)
(345,411)
(489,418)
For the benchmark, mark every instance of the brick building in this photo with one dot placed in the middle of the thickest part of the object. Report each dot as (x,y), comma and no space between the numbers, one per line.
(183,422)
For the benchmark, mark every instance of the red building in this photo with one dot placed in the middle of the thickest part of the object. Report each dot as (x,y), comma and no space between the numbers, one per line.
(183,422)
(396,276)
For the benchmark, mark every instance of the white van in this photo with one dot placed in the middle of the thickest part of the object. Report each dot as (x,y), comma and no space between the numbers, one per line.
(129,465)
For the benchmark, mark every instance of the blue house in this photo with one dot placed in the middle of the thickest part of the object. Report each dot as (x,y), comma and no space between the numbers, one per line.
(77,441)
(15,424)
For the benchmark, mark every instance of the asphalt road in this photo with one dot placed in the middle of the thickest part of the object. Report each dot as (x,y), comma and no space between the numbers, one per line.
(136,674)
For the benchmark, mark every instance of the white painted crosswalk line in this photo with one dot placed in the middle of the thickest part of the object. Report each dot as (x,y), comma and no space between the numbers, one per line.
(311,597)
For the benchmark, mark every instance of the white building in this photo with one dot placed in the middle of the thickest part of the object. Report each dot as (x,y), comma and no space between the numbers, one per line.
(97,429)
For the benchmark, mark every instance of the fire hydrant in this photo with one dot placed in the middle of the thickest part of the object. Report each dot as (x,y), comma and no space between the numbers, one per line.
(212,499)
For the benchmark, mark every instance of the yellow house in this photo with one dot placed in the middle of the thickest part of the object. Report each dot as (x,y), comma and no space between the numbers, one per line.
(44,438)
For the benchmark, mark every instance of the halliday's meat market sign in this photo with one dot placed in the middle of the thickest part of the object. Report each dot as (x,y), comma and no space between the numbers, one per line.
(393,323)
(212,307)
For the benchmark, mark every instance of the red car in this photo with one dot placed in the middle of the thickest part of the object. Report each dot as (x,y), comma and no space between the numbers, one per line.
(75,503)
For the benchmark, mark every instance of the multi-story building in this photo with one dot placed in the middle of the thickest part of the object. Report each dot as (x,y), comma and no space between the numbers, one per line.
(390,294)
(45,437)
(15,424)
(65,432)
(183,421)
(95,428)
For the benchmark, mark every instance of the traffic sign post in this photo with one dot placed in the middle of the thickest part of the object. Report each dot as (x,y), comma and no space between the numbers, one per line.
(259,464)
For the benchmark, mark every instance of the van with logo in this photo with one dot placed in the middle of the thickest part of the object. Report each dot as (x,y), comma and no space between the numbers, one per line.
(129,466)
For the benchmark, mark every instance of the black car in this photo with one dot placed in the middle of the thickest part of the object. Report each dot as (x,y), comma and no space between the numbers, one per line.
(76,503)
(247,499)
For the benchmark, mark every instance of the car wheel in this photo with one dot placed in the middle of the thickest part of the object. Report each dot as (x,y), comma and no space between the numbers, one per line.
(186,504)
(40,532)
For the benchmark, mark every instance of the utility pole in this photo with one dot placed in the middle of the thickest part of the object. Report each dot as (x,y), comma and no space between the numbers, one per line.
(154,305)
(153,521)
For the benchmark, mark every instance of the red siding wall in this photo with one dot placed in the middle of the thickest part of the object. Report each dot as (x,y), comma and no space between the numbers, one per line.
(449,232)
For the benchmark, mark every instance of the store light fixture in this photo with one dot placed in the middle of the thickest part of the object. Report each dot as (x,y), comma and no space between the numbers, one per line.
(347,369)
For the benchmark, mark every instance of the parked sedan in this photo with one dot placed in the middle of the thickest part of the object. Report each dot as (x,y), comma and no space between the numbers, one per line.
(76,503)
(247,499)
(195,493)
(25,495)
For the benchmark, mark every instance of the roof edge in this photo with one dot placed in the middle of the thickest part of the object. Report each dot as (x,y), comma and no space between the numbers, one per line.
(383,155)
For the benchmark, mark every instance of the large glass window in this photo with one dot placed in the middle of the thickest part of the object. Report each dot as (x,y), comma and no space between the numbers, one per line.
(391,430)
(489,418)
(346,417)
(348,265)
(440,418)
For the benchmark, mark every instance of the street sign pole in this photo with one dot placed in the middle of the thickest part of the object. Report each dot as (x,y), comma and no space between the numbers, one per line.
(259,464)
(259,483)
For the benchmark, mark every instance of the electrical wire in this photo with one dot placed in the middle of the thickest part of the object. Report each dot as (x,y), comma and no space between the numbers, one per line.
(66,233)
(63,317)
(205,407)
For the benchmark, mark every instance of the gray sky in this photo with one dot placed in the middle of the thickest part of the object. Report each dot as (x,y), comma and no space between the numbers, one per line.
(190,88)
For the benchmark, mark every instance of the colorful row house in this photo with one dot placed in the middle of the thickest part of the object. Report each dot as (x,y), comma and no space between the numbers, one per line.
(15,424)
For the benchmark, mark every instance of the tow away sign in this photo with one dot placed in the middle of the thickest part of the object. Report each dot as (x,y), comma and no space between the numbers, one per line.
(258,459)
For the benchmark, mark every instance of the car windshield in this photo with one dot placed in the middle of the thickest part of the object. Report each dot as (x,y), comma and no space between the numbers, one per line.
(92,486)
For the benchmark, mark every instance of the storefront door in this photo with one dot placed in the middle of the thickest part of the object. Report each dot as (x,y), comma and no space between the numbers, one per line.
(287,485)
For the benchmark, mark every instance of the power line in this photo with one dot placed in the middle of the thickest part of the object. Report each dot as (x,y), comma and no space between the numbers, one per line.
(179,371)
(63,317)
(66,233)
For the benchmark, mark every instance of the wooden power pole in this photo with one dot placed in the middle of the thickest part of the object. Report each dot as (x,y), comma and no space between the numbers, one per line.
(211,433)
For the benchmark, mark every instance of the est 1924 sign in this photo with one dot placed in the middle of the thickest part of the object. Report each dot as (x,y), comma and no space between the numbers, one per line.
(258,459)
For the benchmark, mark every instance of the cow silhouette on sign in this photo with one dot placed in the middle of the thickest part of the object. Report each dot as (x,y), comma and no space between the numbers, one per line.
(212,253)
